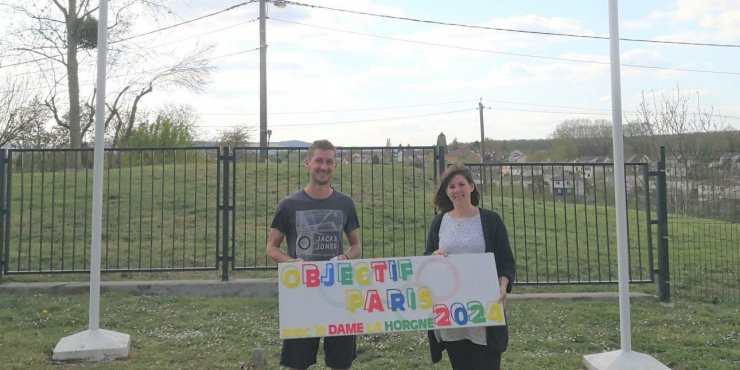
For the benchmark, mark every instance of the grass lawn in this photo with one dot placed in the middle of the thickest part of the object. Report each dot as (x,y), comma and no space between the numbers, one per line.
(197,333)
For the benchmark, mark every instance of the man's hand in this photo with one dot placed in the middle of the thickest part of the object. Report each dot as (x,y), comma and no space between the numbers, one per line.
(439,252)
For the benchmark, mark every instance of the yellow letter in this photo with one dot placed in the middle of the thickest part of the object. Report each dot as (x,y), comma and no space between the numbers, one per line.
(494,312)
(354,300)
(291,277)
(362,273)
(425,298)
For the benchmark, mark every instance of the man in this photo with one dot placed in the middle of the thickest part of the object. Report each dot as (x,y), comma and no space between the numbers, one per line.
(313,220)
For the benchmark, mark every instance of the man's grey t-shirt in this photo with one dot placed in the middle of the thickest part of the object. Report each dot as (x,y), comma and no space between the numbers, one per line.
(314,227)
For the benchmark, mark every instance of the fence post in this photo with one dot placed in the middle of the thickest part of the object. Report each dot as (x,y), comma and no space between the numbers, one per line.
(3,213)
(663,271)
(441,148)
(225,209)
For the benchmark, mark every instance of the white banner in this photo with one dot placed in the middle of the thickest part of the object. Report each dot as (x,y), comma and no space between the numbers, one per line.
(366,296)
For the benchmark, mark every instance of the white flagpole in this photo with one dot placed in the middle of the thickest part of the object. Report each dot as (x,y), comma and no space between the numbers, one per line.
(96,344)
(624,358)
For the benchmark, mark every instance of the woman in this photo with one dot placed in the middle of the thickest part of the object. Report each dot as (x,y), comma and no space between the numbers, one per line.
(462,227)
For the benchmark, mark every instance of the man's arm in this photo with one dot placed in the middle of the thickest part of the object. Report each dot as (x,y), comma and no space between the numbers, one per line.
(355,249)
(273,246)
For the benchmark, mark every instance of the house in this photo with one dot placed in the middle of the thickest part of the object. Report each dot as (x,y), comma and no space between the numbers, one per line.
(637,158)
(565,183)
(357,157)
(517,156)
(677,166)
(730,161)
(589,165)
(707,191)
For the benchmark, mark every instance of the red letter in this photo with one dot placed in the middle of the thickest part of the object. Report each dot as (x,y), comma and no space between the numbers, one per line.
(379,267)
(311,275)
(372,301)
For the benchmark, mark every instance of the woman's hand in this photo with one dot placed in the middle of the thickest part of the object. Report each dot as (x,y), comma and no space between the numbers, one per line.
(439,252)
(503,282)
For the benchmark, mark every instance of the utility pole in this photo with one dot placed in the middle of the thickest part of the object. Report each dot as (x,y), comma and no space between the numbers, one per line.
(482,135)
(263,82)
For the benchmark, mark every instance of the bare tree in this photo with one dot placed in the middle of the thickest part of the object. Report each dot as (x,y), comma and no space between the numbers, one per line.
(238,135)
(672,121)
(191,73)
(65,33)
(19,111)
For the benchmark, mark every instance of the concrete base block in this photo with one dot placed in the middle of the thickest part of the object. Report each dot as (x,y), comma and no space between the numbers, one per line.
(92,345)
(622,360)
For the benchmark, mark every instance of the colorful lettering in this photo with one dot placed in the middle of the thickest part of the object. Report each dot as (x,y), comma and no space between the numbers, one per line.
(311,275)
(291,277)
(395,300)
(353,300)
(328,278)
(362,275)
(346,329)
(345,273)
(372,301)
(379,268)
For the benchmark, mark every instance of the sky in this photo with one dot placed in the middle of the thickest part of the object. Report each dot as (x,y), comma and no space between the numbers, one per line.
(364,80)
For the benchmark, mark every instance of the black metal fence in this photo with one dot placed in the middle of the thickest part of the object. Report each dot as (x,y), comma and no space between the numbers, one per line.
(703,206)
(562,222)
(159,210)
(391,188)
(210,208)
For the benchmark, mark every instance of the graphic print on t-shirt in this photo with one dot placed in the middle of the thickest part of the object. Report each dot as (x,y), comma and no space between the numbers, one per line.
(318,234)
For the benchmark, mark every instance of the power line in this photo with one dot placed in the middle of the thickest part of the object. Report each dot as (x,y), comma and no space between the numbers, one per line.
(151,32)
(511,29)
(185,22)
(205,33)
(92,82)
(235,53)
(507,53)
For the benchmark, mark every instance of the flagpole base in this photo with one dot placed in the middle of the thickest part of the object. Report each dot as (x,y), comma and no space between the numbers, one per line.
(622,360)
(92,345)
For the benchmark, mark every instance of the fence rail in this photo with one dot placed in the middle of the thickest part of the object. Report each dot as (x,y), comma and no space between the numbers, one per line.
(562,223)
(179,209)
(159,210)
(703,206)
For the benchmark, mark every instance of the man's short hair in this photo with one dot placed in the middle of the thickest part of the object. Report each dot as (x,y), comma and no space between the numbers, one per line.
(320,145)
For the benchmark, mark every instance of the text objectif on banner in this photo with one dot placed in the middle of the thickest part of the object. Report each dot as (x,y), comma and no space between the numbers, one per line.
(369,296)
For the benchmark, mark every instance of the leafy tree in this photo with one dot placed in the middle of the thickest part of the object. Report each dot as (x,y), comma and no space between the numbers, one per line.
(563,150)
(162,133)
(592,138)
(582,128)
(537,156)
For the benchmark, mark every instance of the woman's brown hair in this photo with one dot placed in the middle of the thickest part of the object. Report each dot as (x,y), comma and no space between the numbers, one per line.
(441,201)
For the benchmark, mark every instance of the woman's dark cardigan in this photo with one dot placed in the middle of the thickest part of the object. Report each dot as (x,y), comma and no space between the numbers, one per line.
(497,242)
